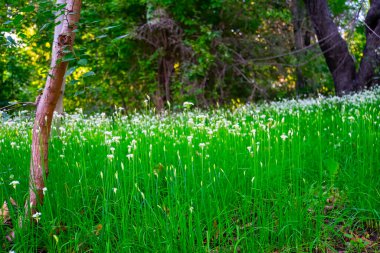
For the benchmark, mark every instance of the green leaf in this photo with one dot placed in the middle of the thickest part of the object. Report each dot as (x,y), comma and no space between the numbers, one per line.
(29,8)
(332,166)
(90,73)
(121,37)
(17,19)
(82,62)
(102,36)
(110,27)
(70,71)
(348,235)
(78,93)
(44,27)
(11,41)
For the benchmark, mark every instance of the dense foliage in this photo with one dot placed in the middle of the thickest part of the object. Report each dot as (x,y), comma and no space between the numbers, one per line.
(206,52)
(293,176)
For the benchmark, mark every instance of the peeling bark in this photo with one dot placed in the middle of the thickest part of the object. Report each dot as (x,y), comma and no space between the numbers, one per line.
(47,103)
(58,28)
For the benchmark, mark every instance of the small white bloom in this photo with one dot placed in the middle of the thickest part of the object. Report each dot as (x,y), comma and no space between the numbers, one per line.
(14,183)
(13,144)
(202,145)
(114,190)
(130,156)
(188,104)
(284,137)
(110,156)
(44,190)
(37,216)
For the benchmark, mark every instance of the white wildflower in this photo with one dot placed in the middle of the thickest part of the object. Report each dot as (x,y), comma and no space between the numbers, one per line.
(188,105)
(44,190)
(14,183)
(37,216)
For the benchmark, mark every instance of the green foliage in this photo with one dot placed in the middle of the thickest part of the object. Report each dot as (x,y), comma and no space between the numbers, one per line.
(226,42)
(289,176)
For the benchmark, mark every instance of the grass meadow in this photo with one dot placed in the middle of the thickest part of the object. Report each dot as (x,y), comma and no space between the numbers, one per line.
(290,176)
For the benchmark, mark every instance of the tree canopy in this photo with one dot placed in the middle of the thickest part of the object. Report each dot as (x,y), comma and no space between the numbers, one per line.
(166,51)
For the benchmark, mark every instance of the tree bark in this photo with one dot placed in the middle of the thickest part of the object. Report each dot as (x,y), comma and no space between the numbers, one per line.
(336,52)
(371,53)
(333,46)
(58,28)
(298,16)
(47,103)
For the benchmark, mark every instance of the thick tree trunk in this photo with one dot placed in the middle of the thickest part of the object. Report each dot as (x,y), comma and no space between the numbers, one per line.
(333,46)
(335,49)
(47,103)
(371,54)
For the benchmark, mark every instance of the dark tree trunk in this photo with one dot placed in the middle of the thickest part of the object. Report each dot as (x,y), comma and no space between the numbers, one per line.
(298,14)
(371,54)
(333,46)
(335,49)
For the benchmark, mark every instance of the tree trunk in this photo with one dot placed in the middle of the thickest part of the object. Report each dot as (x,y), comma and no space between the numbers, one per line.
(371,54)
(335,49)
(47,103)
(298,16)
(58,28)
(333,46)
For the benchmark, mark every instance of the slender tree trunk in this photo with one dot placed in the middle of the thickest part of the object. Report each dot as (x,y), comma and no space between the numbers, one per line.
(47,103)
(58,28)
(298,14)
(333,46)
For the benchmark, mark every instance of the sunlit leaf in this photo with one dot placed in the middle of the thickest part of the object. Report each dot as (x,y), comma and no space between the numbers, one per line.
(90,73)
(70,71)
(82,62)
(121,37)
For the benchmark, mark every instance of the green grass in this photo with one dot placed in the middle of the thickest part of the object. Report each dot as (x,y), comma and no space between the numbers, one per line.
(284,177)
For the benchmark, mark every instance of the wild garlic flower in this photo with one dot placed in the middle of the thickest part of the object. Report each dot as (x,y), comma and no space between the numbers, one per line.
(37,216)
(110,156)
(14,183)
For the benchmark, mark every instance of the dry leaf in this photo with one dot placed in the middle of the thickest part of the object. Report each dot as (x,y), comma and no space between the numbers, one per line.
(4,213)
